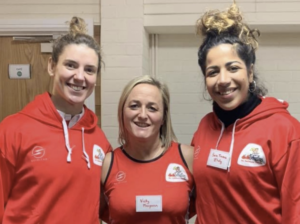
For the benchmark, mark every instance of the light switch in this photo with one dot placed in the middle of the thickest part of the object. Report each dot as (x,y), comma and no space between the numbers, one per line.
(19,71)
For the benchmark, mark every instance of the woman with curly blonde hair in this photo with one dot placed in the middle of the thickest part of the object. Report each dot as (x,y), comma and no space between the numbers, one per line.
(246,150)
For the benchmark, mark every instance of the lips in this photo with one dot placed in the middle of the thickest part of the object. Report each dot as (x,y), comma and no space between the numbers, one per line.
(75,87)
(226,92)
(141,125)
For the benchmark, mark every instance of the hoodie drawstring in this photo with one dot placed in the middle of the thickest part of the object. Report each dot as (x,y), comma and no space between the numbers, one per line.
(67,143)
(231,144)
(87,158)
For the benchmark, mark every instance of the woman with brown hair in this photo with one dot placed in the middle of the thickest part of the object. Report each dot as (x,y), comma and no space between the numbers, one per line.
(51,152)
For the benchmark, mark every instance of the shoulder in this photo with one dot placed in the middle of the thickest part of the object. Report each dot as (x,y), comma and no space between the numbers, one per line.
(106,166)
(188,155)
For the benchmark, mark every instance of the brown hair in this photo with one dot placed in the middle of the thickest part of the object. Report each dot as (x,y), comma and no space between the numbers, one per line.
(77,35)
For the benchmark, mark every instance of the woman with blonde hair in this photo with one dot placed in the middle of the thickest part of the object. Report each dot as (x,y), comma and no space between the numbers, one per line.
(148,179)
(247,150)
(51,152)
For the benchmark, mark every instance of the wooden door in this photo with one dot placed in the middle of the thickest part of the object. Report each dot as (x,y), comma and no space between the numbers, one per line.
(16,93)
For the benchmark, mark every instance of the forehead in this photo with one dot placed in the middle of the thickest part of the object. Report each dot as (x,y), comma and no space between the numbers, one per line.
(80,53)
(222,53)
(146,92)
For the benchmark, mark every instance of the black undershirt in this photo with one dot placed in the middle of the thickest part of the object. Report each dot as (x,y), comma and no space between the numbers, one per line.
(229,117)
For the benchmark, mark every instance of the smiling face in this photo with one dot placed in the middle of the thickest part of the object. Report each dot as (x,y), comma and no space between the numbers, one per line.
(74,75)
(143,113)
(227,77)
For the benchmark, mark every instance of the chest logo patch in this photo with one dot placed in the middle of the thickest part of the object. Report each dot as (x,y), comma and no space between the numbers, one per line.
(176,173)
(98,155)
(252,156)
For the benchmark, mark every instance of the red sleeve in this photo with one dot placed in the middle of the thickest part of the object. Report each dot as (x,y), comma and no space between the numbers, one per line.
(287,173)
(7,169)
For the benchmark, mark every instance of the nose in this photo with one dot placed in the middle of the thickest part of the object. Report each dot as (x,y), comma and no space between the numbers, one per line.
(143,113)
(224,78)
(79,75)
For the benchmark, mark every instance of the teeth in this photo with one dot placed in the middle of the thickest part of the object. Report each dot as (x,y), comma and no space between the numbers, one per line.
(141,124)
(227,92)
(76,88)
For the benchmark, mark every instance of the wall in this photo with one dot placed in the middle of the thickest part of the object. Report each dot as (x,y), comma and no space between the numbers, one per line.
(180,15)
(42,9)
(125,53)
(277,64)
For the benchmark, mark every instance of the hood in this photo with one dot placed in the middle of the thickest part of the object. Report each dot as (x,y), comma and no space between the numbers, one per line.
(266,108)
(43,110)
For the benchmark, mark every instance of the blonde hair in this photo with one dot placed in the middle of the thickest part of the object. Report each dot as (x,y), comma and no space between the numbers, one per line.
(167,134)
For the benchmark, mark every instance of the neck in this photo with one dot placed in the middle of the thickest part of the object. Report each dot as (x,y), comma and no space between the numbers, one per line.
(62,105)
(229,117)
(144,150)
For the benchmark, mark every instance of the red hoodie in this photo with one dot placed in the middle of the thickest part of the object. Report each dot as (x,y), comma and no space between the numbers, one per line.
(261,183)
(40,182)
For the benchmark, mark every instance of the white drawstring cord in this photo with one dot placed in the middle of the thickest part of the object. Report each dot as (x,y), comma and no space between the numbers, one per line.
(231,145)
(67,143)
(87,158)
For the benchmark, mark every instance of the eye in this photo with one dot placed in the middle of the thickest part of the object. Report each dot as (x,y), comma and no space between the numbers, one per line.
(211,73)
(233,69)
(153,109)
(90,70)
(133,106)
(70,65)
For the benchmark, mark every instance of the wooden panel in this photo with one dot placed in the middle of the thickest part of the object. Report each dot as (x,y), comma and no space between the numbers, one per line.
(17,93)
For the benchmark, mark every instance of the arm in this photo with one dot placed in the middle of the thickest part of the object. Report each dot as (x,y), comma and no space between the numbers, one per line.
(7,172)
(104,210)
(287,172)
(188,154)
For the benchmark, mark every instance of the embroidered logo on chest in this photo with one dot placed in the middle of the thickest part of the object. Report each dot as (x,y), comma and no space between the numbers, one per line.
(98,155)
(252,155)
(176,173)
(38,153)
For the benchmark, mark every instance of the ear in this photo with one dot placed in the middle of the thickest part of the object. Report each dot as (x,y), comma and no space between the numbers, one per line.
(51,67)
(251,73)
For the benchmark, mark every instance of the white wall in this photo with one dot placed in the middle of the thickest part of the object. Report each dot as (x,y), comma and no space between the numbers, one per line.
(164,15)
(125,53)
(278,64)
(54,9)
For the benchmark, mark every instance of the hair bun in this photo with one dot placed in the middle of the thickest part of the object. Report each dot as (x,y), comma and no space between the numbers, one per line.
(228,22)
(77,26)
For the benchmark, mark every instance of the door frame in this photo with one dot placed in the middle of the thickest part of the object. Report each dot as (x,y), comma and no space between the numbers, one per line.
(44,27)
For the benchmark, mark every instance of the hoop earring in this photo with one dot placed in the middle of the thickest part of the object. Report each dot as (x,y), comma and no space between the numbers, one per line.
(252,86)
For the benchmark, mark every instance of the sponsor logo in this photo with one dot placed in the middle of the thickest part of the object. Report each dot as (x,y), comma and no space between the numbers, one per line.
(98,155)
(252,156)
(38,154)
(176,173)
(120,176)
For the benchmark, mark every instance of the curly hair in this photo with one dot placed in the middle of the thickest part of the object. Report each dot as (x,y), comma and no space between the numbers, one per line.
(227,27)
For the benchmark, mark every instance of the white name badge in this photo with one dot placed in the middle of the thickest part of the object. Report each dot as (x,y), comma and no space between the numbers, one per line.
(218,159)
(148,203)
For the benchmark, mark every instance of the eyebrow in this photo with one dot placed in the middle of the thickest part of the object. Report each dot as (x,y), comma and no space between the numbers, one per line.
(227,64)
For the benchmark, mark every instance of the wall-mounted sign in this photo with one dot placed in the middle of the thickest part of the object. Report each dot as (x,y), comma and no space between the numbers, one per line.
(19,71)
